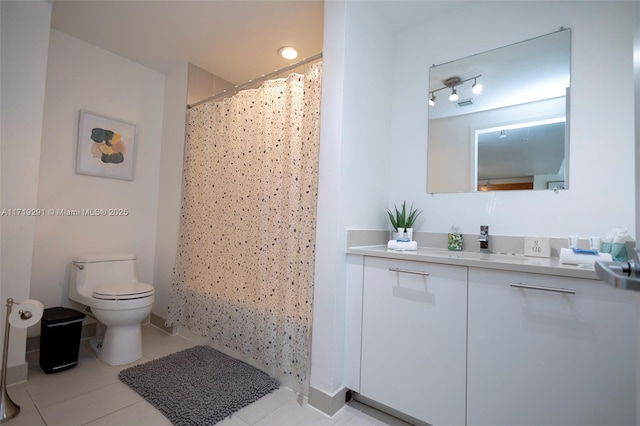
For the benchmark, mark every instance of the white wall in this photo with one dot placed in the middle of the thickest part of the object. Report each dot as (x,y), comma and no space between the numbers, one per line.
(636,63)
(24,43)
(354,149)
(202,84)
(82,76)
(601,193)
(325,369)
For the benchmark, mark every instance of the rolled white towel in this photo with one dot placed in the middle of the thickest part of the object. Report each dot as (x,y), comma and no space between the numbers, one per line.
(402,245)
(617,235)
(567,256)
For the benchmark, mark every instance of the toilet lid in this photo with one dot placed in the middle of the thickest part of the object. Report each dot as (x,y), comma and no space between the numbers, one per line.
(123,291)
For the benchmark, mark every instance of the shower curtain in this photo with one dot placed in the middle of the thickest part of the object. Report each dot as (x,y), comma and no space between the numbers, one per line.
(244,266)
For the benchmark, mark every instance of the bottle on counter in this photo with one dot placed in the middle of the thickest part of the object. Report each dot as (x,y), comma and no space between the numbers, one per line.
(454,240)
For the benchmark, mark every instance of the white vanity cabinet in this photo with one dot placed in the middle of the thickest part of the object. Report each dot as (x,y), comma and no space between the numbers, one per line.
(414,325)
(561,355)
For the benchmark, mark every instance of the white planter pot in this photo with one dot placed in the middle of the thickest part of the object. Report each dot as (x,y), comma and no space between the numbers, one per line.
(409,234)
(404,233)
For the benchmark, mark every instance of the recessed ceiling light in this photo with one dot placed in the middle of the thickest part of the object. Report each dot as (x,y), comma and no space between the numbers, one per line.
(288,52)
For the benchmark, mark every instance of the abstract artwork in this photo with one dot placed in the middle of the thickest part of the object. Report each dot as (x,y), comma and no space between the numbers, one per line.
(106,147)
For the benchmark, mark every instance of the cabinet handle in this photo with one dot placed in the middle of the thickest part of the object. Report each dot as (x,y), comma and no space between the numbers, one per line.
(537,287)
(409,271)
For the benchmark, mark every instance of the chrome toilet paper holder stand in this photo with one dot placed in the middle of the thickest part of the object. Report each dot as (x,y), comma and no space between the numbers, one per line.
(8,408)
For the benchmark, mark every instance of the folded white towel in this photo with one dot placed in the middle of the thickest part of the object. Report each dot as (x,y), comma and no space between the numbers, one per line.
(567,256)
(402,245)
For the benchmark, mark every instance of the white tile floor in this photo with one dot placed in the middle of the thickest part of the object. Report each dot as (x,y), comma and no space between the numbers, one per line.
(91,394)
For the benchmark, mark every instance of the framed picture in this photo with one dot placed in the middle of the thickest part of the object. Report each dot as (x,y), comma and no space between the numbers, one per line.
(106,147)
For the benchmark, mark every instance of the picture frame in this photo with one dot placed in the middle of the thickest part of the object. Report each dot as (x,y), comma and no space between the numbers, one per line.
(106,147)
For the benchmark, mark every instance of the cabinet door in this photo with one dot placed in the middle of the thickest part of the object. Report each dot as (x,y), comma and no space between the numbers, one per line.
(414,338)
(540,357)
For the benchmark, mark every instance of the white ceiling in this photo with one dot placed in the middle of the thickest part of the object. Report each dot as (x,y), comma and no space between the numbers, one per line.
(236,40)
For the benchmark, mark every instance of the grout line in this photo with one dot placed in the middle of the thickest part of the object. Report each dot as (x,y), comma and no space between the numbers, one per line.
(118,410)
(266,413)
(33,401)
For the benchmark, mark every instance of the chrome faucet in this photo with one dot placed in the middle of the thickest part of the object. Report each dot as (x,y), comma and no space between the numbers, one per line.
(484,239)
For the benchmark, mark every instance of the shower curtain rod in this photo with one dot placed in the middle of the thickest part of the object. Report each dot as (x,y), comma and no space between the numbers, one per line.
(249,83)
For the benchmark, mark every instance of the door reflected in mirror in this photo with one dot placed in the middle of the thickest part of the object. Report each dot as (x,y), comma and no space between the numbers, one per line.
(510,134)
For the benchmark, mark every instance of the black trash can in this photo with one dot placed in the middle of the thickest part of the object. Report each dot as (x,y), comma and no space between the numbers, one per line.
(60,331)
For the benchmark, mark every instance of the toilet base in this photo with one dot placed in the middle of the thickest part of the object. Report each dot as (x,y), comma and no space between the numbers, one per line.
(120,345)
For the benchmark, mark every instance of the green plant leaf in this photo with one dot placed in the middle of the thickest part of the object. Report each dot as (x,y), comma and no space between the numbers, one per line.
(392,219)
(401,220)
(413,215)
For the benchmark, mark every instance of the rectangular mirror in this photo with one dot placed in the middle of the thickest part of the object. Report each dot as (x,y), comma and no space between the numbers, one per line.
(498,120)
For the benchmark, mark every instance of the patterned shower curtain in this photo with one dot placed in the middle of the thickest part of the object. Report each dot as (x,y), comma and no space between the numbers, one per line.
(244,266)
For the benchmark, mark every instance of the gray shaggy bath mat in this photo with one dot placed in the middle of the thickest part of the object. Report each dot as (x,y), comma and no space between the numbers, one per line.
(198,386)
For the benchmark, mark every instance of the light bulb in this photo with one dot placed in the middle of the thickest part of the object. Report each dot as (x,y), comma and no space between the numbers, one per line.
(288,52)
(432,101)
(476,88)
(454,96)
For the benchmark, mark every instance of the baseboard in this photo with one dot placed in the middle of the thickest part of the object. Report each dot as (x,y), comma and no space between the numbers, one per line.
(17,373)
(158,321)
(329,404)
(391,411)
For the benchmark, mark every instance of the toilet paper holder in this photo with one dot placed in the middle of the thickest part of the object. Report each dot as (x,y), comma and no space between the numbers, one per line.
(29,312)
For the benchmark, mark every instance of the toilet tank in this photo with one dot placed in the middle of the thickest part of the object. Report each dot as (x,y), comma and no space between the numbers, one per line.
(90,271)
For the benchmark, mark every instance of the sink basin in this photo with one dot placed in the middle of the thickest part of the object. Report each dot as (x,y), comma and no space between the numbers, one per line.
(472,255)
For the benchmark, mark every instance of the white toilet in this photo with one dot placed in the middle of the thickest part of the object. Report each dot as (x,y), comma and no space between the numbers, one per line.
(108,284)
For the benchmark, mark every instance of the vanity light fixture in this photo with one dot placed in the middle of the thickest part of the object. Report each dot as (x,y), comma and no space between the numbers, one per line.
(452,83)
(454,95)
(432,100)
(476,88)
(288,52)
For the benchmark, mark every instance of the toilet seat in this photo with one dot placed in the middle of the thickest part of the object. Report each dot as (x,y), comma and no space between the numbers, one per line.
(123,291)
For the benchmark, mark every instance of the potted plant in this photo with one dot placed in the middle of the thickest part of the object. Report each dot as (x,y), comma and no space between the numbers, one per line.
(402,221)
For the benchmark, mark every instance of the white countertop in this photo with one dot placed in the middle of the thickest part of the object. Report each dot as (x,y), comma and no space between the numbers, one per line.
(504,262)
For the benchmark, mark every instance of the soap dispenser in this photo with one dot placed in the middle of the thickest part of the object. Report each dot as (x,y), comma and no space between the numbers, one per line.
(454,240)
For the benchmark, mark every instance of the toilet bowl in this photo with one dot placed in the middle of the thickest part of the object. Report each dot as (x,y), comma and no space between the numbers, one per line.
(108,284)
